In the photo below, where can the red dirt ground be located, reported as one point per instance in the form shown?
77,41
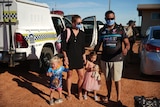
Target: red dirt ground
22,87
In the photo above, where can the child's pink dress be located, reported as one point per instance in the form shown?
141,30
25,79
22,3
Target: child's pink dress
90,83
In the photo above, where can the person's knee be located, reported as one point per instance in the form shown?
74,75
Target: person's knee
81,77
69,74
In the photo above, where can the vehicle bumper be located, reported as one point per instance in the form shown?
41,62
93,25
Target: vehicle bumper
5,57
151,64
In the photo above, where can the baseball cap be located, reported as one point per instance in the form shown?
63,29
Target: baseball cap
130,22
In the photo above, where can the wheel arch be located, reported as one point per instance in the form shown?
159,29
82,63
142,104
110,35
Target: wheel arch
49,45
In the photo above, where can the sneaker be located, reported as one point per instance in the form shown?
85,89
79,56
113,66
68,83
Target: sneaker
58,101
95,98
51,102
85,97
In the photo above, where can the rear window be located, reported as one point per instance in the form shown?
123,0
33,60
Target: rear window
156,34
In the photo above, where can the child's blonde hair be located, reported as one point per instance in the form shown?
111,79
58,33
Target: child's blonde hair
55,59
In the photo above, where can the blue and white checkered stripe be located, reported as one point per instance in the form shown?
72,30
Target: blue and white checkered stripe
10,15
40,37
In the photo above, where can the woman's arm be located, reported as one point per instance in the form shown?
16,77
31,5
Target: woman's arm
65,58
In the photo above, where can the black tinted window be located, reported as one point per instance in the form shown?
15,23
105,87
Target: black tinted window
67,23
57,22
156,34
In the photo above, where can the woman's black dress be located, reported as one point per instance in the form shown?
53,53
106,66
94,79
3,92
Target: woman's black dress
74,48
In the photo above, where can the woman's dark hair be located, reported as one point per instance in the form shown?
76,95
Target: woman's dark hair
109,12
75,17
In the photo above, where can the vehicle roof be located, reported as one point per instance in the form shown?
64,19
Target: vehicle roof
56,15
155,27
34,3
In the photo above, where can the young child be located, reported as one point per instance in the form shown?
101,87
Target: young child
92,76
55,74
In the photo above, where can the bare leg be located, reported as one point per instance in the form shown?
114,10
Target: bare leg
109,87
80,73
95,96
118,89
51,94
60,93
69,82
95,93
85,93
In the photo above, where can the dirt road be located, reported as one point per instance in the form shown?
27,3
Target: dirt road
23,87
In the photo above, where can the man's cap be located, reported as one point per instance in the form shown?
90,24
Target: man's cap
130,22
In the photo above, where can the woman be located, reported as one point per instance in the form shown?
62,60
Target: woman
74,54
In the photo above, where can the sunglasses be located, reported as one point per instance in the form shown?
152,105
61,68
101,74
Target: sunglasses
79,23
109,18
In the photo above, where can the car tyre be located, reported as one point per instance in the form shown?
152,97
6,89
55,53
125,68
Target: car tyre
45,57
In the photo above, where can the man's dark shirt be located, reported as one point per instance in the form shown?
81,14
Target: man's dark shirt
112,43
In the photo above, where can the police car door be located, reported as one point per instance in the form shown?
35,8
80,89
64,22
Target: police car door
90,29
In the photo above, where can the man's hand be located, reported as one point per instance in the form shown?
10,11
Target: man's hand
124,51
125,46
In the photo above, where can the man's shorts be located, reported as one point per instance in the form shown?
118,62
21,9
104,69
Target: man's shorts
112,70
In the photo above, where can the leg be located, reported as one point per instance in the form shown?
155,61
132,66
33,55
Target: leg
51,94
109,87
118,89
118,67
95,95
60,96
60,93
69,82
51,97
85,95
109,73
106,69
80,73
85,92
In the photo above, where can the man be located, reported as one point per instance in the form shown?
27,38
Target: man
131,32
115,45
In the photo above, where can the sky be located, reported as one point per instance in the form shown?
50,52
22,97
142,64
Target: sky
125,10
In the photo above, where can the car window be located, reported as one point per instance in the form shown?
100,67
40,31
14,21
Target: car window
57,22
100,23
88,24
67,22
147,32
156,34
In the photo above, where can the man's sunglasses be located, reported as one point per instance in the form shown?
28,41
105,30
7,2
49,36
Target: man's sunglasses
79,23
109,18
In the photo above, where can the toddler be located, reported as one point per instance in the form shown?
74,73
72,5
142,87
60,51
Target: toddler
92,76
55,74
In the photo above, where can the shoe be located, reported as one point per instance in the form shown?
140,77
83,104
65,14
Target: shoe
58,101
51,102
119,104
95,98
105,99
85,97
